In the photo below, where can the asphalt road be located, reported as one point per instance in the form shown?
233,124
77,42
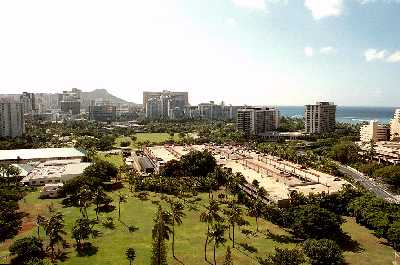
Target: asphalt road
368,184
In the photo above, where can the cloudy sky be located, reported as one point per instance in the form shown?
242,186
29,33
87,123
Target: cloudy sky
270,52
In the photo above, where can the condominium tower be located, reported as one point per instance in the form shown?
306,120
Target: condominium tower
395,127
12,122
320,118
374,132
257,120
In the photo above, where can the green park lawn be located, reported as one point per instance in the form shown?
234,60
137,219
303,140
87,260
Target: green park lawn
189,236
151,137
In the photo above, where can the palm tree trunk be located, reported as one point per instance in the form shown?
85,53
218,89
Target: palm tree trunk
173,239
215,262
119,210
257,222
233,235
205,244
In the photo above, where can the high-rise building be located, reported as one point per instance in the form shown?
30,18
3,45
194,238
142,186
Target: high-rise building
12,123
395,127
257,120
211,111
320,118
165,104
69,101
102,112
28,102
374,132
153,108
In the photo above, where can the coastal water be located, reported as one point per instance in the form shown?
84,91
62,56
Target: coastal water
347,114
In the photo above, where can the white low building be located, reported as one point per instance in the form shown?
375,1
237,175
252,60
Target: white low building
51,190
41,154
55,171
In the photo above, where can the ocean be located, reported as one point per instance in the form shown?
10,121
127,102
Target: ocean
351,115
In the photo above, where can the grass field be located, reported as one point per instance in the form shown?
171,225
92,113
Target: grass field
116,160
151,137
189,236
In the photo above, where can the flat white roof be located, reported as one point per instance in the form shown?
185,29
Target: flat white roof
41,153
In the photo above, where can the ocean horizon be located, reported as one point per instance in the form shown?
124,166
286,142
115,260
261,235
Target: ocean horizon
348,114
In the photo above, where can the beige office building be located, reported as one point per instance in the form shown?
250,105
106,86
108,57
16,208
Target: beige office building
320,118
374,132
395,127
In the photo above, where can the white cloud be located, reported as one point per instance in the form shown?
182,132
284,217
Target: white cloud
308,51
252,4
394,57
329,50
363,2
231,22
324,8
375,55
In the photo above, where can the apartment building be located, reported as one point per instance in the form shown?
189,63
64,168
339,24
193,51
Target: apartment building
320,118
374,132
395,127
12,123
28,102
257,120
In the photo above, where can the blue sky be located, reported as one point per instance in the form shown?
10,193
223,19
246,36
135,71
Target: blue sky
262,52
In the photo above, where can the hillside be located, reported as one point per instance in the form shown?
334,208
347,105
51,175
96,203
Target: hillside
86,97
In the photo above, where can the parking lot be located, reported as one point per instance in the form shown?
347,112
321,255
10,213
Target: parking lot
278,177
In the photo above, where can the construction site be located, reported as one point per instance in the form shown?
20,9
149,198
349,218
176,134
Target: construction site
278,177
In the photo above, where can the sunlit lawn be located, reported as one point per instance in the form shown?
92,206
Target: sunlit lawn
151,137
189,236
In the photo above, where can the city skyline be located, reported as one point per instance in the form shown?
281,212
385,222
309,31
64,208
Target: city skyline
240,51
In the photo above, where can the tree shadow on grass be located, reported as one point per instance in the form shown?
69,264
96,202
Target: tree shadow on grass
244,252
86,250
346,243
62,255
178,260
283,239
106,208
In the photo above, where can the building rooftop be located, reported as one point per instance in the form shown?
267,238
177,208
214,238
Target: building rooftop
56,169
41,153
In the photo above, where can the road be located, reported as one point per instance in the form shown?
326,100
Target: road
368,184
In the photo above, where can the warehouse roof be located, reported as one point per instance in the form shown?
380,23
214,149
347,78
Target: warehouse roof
41,153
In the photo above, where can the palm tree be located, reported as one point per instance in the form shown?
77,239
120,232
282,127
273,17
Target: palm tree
54,229
177,214
217,236
121,199
160,233
257,204
234,214
40,221
98,197
209,216
83,229
85,197
132,178
228,257
130,255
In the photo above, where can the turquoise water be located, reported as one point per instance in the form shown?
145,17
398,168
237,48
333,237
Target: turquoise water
347,114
